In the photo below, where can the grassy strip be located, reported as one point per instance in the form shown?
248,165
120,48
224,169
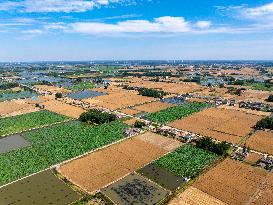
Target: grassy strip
20,123
56,144
186,161
175,113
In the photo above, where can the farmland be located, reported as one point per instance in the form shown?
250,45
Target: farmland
55,144
27,121
232,182
16,95
161,176
174,113
261,141
15,107
221,124
193,196
153,107
186,161
134,189
82,86
100,168
43,188
123,99
63,109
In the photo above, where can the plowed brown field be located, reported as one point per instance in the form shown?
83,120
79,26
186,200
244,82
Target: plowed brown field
63,109
261,141
194,196
221,124
232,182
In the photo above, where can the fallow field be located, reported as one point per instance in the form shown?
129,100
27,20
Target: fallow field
221,124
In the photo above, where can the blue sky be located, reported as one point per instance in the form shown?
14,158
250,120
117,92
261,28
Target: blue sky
37,30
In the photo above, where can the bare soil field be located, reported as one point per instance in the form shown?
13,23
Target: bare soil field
254,95
175,88
63,109
130,122
194,196
261,141
252,158
248,111
100,168
119,100
51,89
16,107
232,182
160,141
129,111
153,107
134,189
265,194
221,124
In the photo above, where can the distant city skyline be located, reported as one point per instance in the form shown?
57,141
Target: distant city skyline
86,30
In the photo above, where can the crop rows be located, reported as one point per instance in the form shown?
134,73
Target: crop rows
186,161
174,113
24,122
55,144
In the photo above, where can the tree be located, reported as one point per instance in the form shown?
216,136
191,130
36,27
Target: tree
266,123
207,143
151,92
97,117
58,95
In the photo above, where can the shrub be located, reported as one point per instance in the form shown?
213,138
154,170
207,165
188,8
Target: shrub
58,95
270,98
139,124
97,117
266,123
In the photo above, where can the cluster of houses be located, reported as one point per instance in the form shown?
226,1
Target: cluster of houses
256,106
266,162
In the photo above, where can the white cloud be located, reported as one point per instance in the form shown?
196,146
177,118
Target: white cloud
166,24
261,11
34,32
55,5
203,24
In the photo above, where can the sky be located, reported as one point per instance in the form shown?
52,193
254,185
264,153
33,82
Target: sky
74,30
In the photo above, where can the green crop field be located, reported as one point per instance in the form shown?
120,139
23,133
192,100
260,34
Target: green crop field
55,144
186,161
82,86
20,123
175,113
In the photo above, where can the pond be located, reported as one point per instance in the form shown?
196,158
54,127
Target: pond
85,94
174,100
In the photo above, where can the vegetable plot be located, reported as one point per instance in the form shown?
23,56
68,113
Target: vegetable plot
55,144
186,161
174,113
24,122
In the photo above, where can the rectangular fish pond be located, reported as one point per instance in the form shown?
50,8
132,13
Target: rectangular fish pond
85,94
